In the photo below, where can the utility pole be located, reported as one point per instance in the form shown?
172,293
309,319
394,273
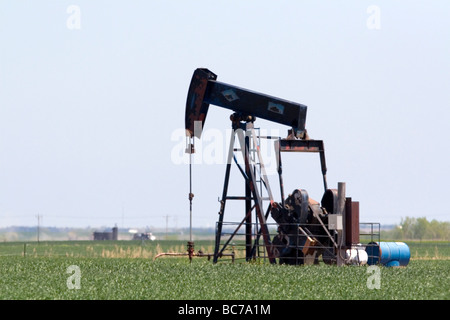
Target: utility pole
167,224
123,213
38,226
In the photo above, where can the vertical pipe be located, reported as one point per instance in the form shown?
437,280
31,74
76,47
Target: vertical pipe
190,192
341,197
248,203
324,168
341,233
280,170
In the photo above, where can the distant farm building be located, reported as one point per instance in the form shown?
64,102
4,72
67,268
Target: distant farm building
107,235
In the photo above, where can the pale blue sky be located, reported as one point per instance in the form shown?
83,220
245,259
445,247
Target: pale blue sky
87,116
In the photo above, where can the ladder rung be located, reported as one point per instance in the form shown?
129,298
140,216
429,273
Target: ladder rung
244,198
238,198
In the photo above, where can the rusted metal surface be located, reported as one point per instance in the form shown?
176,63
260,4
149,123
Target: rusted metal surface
351,222
299,145
198,254
192,254
302,145
302,230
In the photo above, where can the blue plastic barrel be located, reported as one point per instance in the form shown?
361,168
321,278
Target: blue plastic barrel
389,254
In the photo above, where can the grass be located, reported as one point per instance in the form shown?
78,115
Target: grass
429,250
98,249
127,271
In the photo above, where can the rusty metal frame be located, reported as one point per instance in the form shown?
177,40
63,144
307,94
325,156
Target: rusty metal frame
297,145
314,243
281,145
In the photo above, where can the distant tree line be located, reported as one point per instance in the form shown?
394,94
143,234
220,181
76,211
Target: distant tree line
419,229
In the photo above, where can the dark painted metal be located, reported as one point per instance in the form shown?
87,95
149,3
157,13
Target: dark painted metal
257,104
258,201
248,205
223,201
196,108
205,90
252,198
330,201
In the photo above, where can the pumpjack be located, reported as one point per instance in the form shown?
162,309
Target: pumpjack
304,230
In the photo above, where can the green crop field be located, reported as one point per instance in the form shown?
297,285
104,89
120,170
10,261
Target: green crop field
127,270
